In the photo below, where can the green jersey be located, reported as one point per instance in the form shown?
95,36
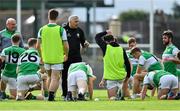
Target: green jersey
28,63
133,61
5,40
81,66
11,55
149,62
170,52
154,77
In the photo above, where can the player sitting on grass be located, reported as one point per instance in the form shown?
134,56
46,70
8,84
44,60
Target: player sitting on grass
80,78
164,81
28,65
10,56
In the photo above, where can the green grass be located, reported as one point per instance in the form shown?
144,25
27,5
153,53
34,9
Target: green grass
102,104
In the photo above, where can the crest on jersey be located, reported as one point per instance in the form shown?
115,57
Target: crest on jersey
78,35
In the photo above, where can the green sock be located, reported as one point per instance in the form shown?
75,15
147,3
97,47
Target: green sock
33,98
45,93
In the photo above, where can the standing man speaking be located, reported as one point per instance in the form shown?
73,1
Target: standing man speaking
76,39
52,42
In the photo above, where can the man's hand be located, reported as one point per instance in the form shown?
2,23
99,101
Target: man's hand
86,44
101,84
109,32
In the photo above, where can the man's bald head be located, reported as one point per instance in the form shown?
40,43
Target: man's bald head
11,24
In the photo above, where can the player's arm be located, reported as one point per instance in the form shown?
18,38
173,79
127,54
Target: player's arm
99,40
139,69
90,86
101,84
38,44
175,59
66,50
128,66
141,63
38,47
65,45
83,41
143,92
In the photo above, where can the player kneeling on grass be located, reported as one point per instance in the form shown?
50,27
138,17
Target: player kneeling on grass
164,81
28,65
80,76
39,86
117,67
10,56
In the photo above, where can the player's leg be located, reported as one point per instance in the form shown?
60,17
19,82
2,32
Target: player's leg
54,84
12,87
3,82
112,89
30,81
165,85
82,87
125,89
64,78
174,87
153,91
138,78
81,79
55,77
22,87
44,86
72,87
48,70
136,84
162,93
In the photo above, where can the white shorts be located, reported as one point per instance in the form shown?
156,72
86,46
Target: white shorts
11,82
53,66
74,77
112,84
168,82
24,81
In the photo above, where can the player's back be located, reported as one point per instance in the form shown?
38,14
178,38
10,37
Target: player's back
29,62
11,55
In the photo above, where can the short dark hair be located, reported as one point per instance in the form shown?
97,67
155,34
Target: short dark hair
168,33
53,14
131,40
108,38
32,42
135,49
16,38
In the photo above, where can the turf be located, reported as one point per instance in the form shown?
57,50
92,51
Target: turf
102,104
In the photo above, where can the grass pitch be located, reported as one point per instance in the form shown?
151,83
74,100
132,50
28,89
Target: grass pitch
103,104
